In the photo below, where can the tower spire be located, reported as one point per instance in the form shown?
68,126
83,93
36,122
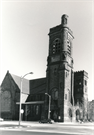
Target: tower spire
64,20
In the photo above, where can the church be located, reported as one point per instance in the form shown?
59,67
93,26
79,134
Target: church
62,95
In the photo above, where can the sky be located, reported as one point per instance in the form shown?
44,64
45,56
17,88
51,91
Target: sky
24,36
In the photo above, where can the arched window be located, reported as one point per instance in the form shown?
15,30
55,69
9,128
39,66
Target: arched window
65,96
56,46
69,95
55,94
70,112
6,101
37,110
69,47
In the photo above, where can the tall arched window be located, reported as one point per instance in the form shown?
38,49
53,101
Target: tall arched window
37,110
56,46
55,94
69,47
6,101
69,95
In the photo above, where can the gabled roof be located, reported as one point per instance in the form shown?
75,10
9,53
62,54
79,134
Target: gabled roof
25,83
8,81
16,81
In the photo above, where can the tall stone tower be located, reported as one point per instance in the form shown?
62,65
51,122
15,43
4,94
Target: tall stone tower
60,71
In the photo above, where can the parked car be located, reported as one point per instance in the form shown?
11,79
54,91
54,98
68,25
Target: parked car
1,119
46,121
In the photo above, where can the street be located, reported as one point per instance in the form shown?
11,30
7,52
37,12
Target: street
35,128
31,133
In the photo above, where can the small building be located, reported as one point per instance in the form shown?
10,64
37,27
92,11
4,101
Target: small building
91,110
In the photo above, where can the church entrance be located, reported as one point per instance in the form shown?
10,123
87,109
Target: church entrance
78,115
70,114
54,115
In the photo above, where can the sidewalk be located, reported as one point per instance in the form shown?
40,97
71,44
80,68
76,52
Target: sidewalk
16,124
36,123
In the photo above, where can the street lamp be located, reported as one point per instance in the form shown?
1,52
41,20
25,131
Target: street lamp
49,105
21,96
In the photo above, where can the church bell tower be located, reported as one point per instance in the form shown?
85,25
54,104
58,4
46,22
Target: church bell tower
59,71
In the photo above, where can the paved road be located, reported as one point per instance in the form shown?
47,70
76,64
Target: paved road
31,133
46,129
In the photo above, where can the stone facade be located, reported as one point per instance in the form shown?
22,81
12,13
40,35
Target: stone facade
67,88
81,92
9,95
60,69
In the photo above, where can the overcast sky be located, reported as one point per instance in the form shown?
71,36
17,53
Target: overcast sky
25,26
